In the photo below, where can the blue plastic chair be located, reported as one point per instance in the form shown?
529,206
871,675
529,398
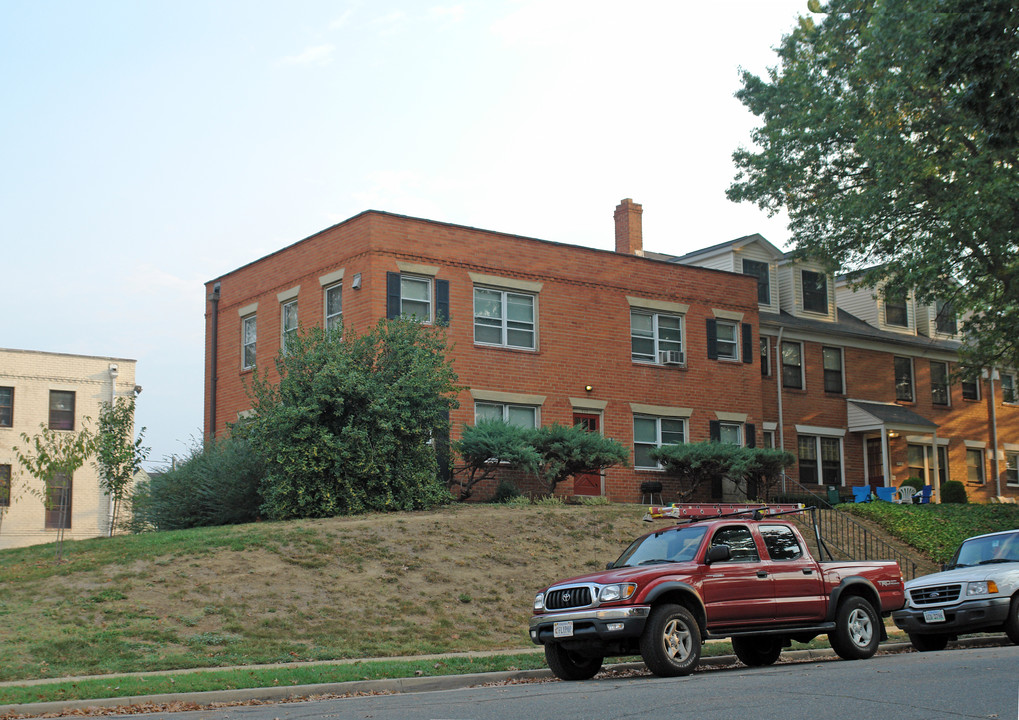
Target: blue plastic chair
925,494
886,493
861,494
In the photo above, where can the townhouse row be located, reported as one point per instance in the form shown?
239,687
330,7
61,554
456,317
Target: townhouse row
736,343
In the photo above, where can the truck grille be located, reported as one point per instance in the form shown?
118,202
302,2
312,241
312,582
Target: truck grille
571,597
935,594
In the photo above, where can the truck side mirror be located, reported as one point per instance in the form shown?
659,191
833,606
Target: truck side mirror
717,553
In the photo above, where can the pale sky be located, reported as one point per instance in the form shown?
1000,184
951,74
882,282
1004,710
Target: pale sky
148,146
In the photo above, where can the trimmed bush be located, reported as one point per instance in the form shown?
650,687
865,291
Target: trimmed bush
953,491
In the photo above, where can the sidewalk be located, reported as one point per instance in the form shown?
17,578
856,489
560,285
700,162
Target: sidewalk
395,685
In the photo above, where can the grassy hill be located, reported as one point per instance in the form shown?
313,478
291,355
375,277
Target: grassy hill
457,579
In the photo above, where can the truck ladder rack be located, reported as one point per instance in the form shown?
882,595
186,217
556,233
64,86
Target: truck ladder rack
708,511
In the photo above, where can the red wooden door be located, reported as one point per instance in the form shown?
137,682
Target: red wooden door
587,483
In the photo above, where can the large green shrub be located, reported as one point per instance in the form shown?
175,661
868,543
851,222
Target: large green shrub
565,451
355,422
217,484
953,491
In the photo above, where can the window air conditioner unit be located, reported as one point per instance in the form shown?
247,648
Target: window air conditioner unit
671,357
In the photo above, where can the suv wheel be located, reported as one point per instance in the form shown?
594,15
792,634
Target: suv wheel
757,651
568,665
857,632
671,643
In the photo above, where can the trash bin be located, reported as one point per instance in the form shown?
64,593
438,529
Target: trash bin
833,495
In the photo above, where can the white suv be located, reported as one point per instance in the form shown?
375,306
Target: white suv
978,591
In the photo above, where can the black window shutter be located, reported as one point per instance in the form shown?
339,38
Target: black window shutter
392,295
712,340
751,432
715,430
442,301
748,343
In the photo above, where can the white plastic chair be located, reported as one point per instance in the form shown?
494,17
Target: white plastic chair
906,493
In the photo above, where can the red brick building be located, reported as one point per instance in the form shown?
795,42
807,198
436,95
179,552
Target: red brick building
640,349
735,342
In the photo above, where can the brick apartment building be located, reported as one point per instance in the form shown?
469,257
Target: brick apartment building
642,347
59,391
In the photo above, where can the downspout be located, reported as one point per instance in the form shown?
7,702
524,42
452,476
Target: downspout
994,434
778,385
213,359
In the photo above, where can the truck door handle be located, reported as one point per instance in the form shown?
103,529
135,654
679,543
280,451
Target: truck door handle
808,571
762,573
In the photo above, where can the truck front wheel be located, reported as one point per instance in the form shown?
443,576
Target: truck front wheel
671,643
757,651
567,665
857,633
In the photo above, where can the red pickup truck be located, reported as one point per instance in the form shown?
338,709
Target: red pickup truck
751,580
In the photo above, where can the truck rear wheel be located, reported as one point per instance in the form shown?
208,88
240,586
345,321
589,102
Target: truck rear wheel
757,651
568,665
857,633
671,643
929,643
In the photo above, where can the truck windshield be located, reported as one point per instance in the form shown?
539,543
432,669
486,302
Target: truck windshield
987,550
667,546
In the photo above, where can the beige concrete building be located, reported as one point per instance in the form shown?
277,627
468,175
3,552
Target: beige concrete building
62,392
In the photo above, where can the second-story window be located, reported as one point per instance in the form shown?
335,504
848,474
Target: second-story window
288,323
970,389
656,338
6,406
412,296
1008,388
504,318
939,383
815,291
61,410
334,306
760,271
834,380
792,365
765,357
904,379
249,341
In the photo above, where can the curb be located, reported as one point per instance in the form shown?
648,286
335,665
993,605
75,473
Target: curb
411,684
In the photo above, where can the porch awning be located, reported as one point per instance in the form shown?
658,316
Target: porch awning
864,416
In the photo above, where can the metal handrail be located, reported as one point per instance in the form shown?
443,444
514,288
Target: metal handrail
848,538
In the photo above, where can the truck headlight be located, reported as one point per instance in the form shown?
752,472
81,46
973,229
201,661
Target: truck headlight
610,593
539,602
987,587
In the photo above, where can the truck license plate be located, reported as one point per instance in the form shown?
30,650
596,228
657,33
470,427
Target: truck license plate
934,616
563,628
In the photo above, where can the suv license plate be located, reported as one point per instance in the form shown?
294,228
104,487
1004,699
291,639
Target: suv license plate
934,616
563,628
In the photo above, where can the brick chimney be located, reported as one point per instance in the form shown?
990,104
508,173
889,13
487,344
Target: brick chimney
629,238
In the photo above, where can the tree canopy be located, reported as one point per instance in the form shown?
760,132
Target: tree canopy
355,422
890,134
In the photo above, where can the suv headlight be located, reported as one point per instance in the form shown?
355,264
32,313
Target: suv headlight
983,587
611,593
539,602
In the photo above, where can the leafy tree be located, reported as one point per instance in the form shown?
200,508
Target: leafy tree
698,463
565,451
52,456
118,456
347,428
891,136
484,448
217,484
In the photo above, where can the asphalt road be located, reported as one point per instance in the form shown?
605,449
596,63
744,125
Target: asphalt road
952,684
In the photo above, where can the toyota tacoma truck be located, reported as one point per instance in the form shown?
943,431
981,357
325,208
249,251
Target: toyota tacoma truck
978,591
748,579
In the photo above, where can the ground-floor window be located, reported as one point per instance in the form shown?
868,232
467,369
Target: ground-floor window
58,501
653,432
920,459
820,459
1012,469
975,466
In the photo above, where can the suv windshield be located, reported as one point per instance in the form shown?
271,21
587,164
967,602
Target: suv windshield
987,550
672,545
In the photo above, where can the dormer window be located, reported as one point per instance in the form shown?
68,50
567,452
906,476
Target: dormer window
815,292
895,311
944,320
760,271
